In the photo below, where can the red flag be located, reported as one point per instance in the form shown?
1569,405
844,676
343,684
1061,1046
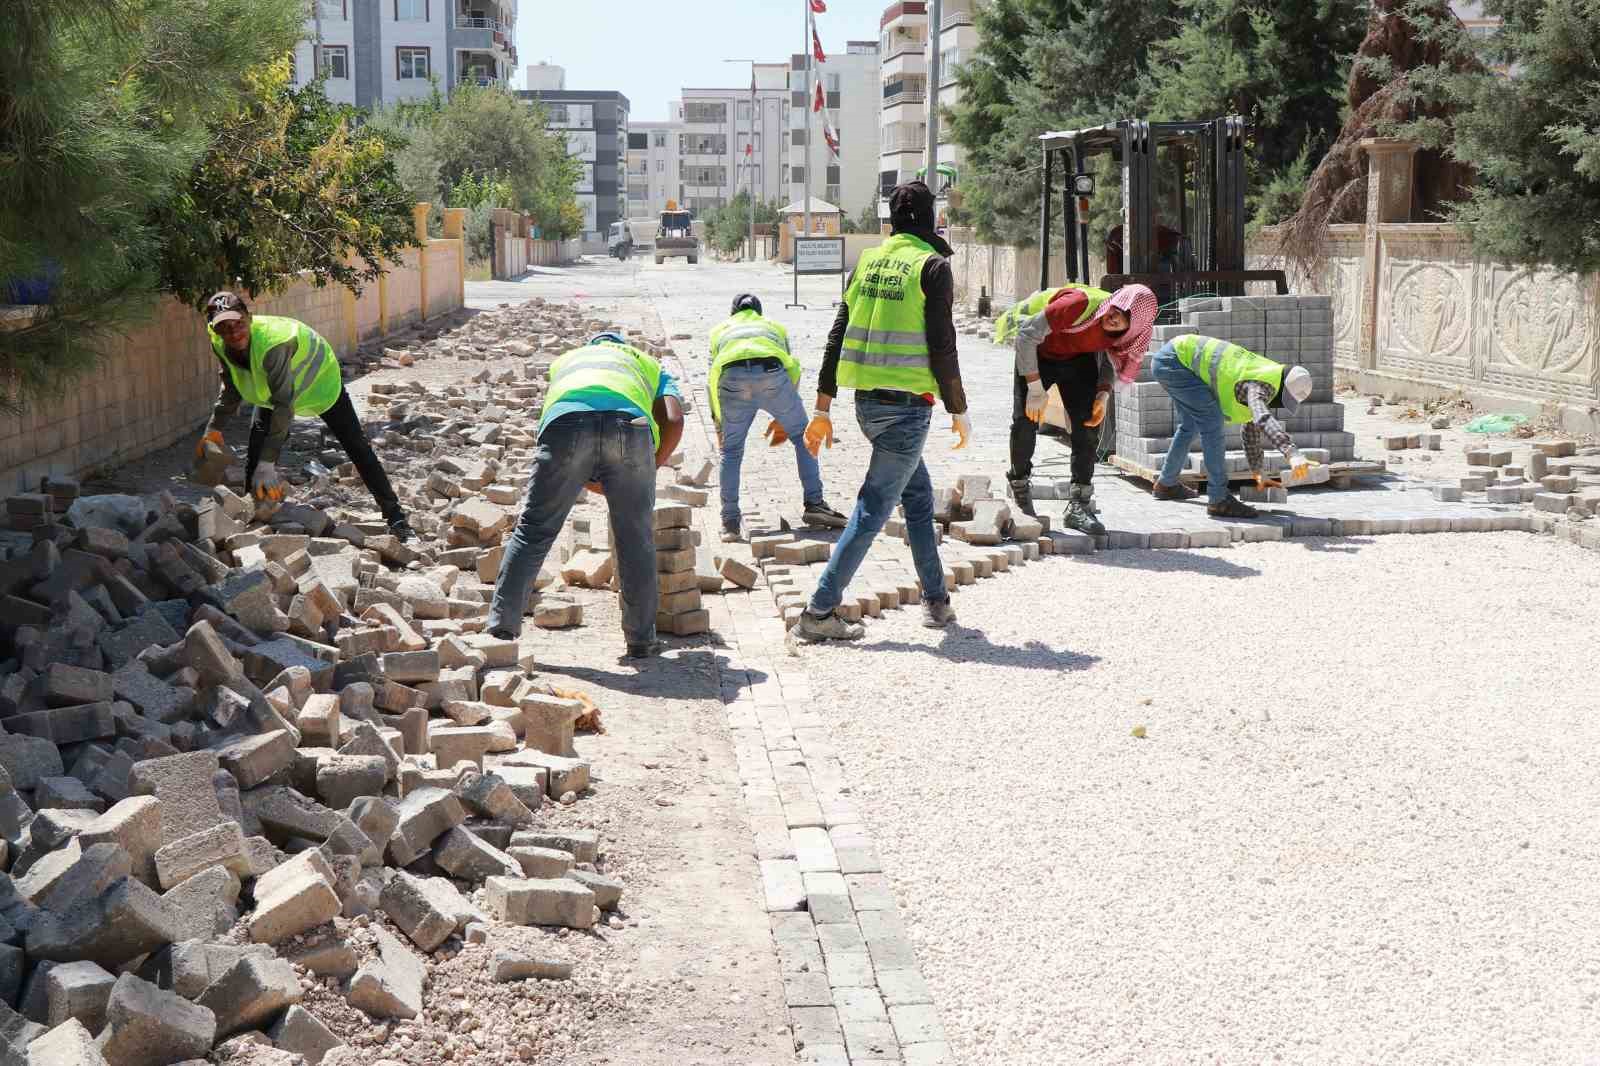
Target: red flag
816,46
818,6
816,105
830,135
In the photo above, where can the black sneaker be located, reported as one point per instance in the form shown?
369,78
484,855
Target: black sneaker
1022,495
401,530
502,633
646,651
821,515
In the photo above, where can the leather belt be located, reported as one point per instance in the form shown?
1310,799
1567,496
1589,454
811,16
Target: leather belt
896,396
766,362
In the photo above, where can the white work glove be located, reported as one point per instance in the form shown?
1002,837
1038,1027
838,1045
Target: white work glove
267,485
961,425
1034,408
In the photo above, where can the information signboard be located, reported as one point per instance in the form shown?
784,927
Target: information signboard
817,255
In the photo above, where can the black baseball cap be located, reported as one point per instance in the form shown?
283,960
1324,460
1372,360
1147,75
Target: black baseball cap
225,307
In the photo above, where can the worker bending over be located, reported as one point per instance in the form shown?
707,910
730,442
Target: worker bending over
1080,340
284,368
1213,383
894,342
753,370
611,417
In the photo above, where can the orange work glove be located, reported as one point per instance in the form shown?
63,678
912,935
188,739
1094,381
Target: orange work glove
775,434
1098,415
213,436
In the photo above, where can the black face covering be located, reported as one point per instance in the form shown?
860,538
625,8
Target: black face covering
911,210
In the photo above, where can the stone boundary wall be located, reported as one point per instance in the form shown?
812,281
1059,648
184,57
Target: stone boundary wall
157,383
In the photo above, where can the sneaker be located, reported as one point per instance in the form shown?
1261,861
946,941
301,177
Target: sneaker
648,650
1081,512
502,633
1180,491
401,530
1232,507
732,533
829,627
1022,495
936,614
820,514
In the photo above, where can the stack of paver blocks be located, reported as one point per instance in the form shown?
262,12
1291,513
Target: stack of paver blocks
1288,329
680,612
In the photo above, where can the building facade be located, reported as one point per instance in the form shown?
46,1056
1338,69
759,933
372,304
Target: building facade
545,76
376,52
957,40
903,76
596,128
850,83
723,149
652,167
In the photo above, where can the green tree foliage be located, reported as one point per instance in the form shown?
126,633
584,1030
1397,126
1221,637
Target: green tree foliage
290,183
103,109
728,226
866,222
1280,63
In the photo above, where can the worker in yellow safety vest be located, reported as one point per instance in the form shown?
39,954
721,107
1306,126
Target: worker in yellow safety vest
894,342
611,417
753,370
285,369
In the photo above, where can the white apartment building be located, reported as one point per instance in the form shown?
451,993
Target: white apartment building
652,167
958,40
375,52
850,83
720,152
545,77
903,74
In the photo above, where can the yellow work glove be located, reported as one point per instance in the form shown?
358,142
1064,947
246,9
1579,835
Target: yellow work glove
819,432
267,485
1034,408
961,426
775,434
1098,415
1263,482
211,436
1300,467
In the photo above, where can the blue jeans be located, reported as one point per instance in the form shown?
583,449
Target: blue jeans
741,392
895,474
617,451
1198,412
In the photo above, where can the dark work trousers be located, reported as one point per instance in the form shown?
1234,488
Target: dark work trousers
342,423
1077,378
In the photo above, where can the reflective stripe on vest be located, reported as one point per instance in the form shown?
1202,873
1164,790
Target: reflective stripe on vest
747,335
616,368
313,366
1222,366
1005,327
885,339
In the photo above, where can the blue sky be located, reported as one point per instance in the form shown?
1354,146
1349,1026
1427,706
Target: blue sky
650,49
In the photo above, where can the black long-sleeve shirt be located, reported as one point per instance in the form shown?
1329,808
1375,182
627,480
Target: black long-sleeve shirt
939,292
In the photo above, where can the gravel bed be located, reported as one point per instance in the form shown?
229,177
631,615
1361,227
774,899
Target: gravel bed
1360,825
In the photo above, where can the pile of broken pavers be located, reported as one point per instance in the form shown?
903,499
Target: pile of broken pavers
225,739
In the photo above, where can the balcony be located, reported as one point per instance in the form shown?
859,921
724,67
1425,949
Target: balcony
915,142
473,22
958,15
906,7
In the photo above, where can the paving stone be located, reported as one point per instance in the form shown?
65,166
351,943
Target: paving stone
78,990
135,825
295,897
490,796
206,904
541,901
470,858
425,814
250,993
562,775
150,1027
123,922
582,844
182,783
376,817
424,908
70,1043
607,890
300,1031
390,986
285,812
506,965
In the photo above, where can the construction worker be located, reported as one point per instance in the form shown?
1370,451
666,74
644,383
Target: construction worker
1212,383
284,368
894,342
1080,340
611,418
752,370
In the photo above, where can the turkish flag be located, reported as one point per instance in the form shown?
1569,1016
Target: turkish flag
816,46
816,105
818,6
830,136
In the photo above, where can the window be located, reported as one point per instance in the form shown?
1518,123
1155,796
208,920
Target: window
949,65
660,138
797,175
832,102
797,138
700,111
742,112
412,64
411,10
661,165
833,175
332,10
336,61
703,143
832,83
638,142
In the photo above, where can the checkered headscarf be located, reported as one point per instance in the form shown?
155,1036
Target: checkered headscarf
1140,305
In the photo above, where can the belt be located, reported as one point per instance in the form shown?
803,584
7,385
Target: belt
766,362
896,396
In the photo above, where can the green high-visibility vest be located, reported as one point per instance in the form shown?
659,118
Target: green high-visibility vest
886,338
618,368
747,335
317,382
1222,366
1005,327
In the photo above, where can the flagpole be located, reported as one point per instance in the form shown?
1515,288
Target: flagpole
936,36
809,57
750,154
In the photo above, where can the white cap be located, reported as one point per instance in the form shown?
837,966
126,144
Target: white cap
1296,387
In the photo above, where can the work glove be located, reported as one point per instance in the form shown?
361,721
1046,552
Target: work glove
594,487
1263,482
775,434
211,436
1098,415
1300,467
961,425
1034,408
267,485
819,432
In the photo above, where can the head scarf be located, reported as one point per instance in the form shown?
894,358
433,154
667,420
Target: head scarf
911,210
1127,354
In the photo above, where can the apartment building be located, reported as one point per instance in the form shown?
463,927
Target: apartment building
375,52
652,167
725,146
957,40
546,76
850,83
596,128
903,76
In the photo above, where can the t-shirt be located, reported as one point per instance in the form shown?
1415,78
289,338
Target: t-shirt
586,401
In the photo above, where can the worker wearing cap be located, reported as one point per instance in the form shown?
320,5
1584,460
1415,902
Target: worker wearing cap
894,342
284,368
1079,340
1213,383
753,370
611,417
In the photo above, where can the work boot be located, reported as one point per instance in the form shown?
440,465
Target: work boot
1081,513
1022,495
936,614
812,628
1231,507
401,530
732,533
647,650
1179,491
819,514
